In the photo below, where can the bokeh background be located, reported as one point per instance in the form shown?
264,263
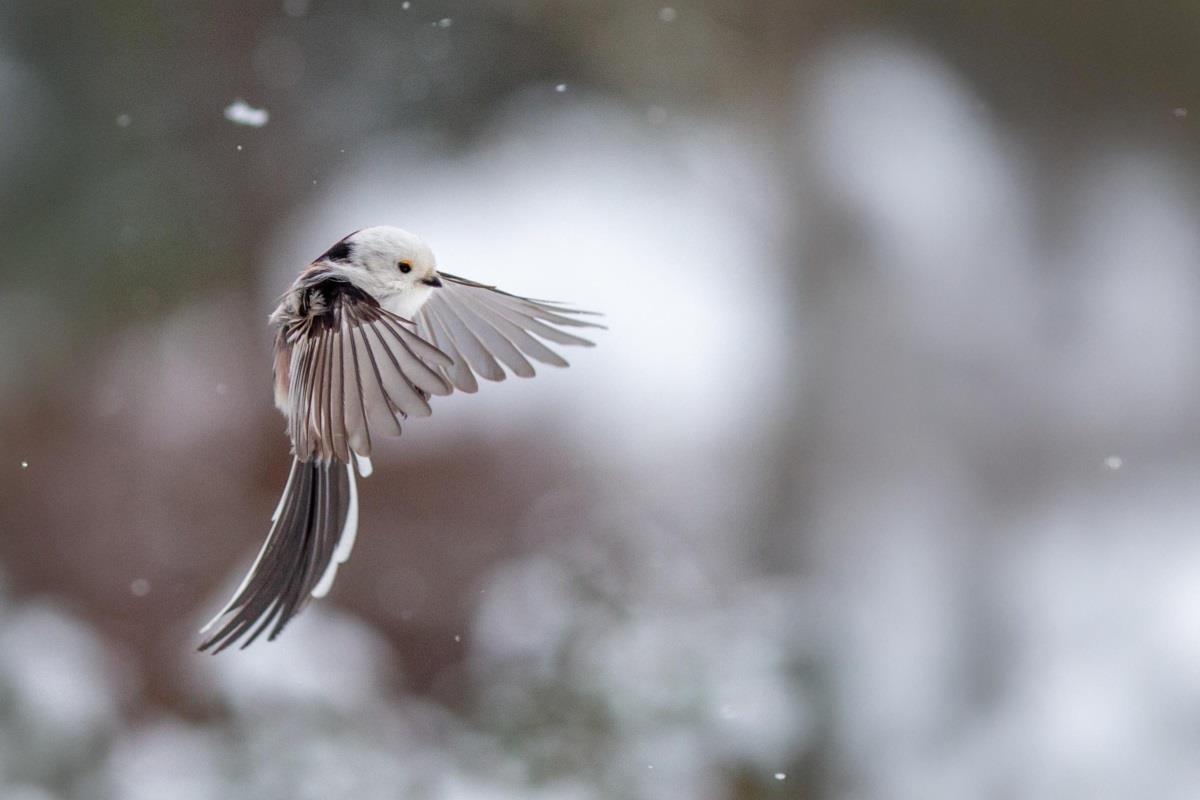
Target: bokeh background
885,482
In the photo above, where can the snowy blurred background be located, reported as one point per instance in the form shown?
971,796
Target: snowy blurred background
885,482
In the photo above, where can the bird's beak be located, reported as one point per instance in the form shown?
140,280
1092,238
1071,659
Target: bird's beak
433,281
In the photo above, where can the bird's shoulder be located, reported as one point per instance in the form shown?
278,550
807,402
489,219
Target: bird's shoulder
318,294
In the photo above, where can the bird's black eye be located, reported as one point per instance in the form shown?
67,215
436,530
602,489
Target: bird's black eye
405,267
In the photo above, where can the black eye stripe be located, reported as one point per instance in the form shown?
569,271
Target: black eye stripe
405,267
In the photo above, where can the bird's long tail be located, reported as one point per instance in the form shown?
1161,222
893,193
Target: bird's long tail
312,532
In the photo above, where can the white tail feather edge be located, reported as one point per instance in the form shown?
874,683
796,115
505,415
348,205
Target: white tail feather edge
345,541
364,465
282,497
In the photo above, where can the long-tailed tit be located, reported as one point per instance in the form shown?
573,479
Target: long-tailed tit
364,337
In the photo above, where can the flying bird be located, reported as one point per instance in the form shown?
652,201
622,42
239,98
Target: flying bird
364,338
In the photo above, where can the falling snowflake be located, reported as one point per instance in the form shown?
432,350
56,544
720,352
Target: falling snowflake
239,112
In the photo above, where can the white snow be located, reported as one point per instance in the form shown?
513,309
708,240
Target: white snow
239,112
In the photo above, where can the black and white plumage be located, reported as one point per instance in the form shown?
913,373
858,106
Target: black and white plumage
367,335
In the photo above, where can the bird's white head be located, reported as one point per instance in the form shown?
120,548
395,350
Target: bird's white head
394,266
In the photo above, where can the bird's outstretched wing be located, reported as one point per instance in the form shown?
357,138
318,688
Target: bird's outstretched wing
353,371
356,369
480,327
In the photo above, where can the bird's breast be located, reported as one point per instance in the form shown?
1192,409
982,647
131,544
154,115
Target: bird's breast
408,302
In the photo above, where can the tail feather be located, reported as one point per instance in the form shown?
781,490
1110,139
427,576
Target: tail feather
345,542
312,531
